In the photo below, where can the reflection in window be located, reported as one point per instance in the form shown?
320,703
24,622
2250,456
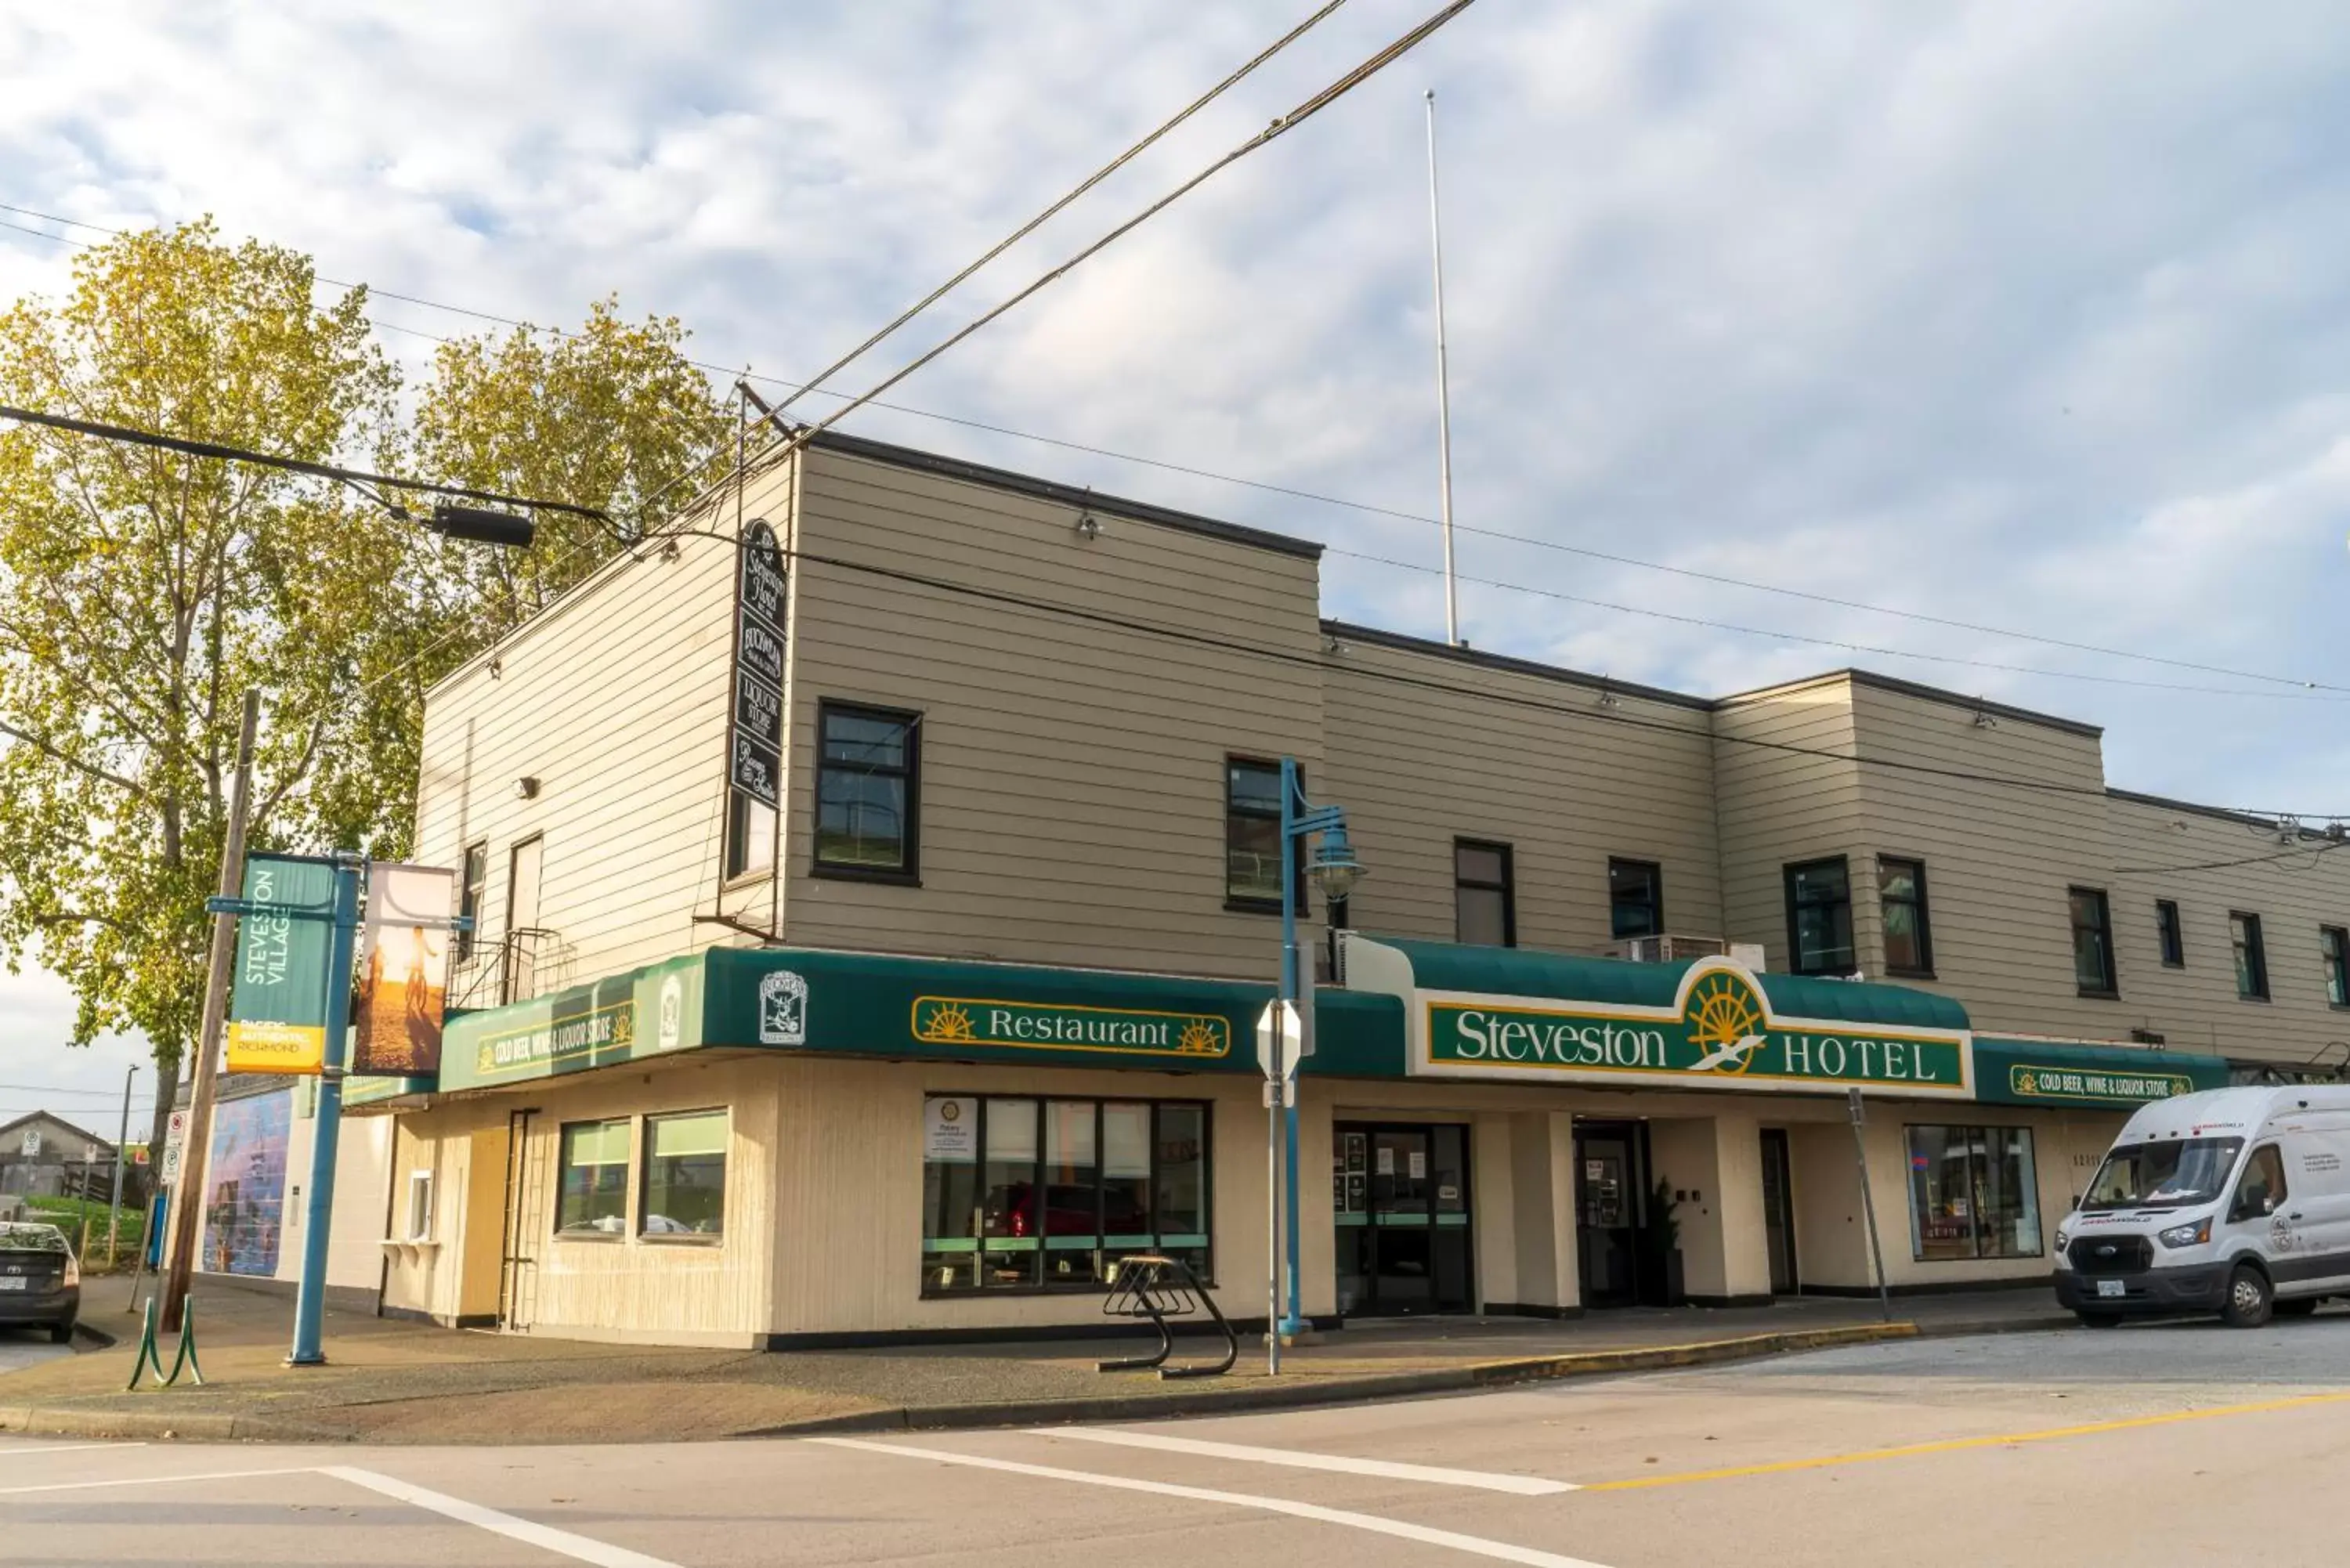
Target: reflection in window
1902,902
864,793
594,1179
2092,942
1974,1192
1253,832
2252,956
1024,1193
1636,899
685,1175
1819,917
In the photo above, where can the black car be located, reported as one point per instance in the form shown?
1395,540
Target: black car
40,1281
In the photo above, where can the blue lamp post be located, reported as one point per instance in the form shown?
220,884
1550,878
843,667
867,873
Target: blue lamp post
1335,871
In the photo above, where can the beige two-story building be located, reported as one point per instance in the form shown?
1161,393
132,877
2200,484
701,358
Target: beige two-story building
878,881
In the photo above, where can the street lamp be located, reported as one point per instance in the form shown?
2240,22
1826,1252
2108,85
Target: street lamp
1335,871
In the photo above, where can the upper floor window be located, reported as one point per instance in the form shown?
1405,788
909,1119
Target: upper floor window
2092,942
2252,956
471,895
1819,917
1252,836
2336,942
1484,895
866,793
2166,927
1901,903
1636,898
750,835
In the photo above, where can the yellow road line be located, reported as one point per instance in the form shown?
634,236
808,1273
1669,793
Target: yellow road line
1955,1445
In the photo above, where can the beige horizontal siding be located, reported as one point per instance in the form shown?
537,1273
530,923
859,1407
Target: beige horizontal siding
1779,806
1513,758
1072,770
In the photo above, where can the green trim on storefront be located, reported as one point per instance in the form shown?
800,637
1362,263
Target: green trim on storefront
2085,1073
1600,983
879,1005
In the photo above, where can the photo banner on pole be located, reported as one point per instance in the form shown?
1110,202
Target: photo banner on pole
277,1005
403,971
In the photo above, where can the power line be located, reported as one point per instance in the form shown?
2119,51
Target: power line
2312,851
1587,715
1282,126
1319,498
1033,224
1835,642
291,465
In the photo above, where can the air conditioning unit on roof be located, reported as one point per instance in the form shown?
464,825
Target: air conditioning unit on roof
1671,948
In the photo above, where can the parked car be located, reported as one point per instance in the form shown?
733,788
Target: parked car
40,1279
2232,1200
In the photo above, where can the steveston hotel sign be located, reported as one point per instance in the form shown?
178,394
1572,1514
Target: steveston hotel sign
1720,1033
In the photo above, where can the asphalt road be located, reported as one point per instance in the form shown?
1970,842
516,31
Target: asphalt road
2171,1446
26,1348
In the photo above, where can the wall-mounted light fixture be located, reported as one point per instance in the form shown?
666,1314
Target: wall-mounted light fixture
1088,526
526,788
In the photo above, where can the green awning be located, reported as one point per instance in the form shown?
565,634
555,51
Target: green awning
1507,1015
2080,1072
1521,971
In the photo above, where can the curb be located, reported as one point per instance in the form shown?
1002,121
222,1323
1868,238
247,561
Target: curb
1342,1390
98,1338
222,1426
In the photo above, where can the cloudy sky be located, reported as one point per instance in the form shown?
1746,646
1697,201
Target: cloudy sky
2032,317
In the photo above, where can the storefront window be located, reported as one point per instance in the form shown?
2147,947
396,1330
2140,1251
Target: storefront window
1026,1194
1974,1192
593,1180
685,1175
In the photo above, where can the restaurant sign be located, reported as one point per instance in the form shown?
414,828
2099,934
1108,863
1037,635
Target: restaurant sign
1720,1033
977,1020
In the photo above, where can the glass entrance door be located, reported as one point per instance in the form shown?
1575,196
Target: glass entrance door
1608,1190
1779,1211
1400,1196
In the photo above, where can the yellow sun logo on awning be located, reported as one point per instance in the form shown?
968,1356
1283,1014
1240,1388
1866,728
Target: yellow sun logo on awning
946,1022
1724,1018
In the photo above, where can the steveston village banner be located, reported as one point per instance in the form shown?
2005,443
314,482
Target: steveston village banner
277,1003
403,970
1720,1033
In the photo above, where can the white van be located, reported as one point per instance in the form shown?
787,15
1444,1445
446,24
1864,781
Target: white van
2232,1200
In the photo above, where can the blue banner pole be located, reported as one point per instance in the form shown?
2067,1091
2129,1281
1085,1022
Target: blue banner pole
1293,1323
319,1211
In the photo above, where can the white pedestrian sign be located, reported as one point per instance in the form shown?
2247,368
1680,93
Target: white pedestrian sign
1279,1016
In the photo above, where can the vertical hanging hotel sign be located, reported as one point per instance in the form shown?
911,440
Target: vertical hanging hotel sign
755,735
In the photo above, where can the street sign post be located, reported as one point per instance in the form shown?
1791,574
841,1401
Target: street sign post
1280,1039
1868,1202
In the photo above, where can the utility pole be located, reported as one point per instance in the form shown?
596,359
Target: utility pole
186,1213
121,1136
1444,388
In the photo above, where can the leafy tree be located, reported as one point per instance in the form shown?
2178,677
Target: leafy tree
611,416
143,592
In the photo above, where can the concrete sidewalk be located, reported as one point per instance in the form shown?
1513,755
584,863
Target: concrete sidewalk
393,1381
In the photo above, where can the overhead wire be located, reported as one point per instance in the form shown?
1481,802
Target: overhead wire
1723,579
1607,716
2324,846
1073,193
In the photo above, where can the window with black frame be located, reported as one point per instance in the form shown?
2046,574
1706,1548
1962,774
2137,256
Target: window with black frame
2335,942
1026,1194
1974,1192
1484,902
2092,942
1253,836
2172,938
2252,956
1819,917
1636,899
867,804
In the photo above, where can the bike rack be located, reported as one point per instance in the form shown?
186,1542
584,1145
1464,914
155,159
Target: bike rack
1150,1286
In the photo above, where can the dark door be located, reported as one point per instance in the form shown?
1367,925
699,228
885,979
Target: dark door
1779,1211
1608,1211
1401,1200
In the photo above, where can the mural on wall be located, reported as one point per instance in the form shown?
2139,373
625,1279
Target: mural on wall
244,1210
